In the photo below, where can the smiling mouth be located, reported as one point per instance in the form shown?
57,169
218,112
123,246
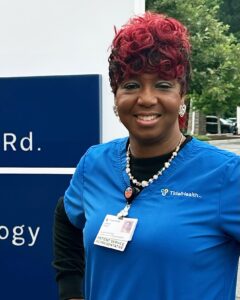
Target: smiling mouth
148,117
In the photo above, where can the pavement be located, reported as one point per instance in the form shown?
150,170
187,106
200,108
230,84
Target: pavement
233,145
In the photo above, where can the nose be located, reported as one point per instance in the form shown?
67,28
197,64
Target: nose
147,98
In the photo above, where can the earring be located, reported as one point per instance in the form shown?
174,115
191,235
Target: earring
182,110
115,110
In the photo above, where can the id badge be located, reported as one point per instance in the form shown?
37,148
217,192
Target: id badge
115,233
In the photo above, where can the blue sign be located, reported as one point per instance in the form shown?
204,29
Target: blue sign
46,124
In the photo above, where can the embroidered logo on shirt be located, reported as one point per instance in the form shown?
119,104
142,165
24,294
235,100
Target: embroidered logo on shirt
164,191
167,192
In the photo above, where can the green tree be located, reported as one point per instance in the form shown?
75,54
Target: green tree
214,88
229,13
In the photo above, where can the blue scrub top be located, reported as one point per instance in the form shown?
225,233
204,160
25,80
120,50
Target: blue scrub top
187,241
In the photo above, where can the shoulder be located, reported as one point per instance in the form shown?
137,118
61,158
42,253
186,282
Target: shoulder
108,153
107,148
208,151
208,158
207,161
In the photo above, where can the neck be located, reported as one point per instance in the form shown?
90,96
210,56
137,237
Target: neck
145,149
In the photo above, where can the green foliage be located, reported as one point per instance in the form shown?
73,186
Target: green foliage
230,14
214,88
202,137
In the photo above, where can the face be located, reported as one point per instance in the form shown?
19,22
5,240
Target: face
148,107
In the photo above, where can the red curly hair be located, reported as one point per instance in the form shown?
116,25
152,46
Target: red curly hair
152,43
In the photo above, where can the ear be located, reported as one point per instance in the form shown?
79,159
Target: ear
183,99
115,109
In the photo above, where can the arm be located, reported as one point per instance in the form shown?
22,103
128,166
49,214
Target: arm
229,206
68,255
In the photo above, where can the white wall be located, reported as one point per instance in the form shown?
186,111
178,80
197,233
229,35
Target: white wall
60,37
238,119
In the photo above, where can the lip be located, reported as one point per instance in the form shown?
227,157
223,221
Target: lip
147,119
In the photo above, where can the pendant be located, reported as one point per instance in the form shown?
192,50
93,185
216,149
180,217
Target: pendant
124,212
128,193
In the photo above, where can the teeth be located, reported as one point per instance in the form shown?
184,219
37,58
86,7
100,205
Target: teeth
147,118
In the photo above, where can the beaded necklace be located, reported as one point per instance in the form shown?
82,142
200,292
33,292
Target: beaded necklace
145,183
130,191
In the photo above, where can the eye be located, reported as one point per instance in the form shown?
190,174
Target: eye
164,85
131,85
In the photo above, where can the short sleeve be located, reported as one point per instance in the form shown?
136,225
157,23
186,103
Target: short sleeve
73,198
230,200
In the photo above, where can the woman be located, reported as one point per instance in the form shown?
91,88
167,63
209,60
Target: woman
181,195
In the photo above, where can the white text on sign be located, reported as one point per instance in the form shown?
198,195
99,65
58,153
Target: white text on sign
12,142
19,235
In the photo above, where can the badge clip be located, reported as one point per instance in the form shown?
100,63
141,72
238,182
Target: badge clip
124,212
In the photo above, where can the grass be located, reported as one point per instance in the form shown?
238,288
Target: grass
202,137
